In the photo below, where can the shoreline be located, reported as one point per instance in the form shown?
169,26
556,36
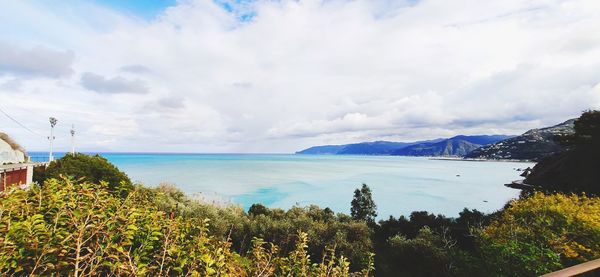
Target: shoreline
520,184
459,159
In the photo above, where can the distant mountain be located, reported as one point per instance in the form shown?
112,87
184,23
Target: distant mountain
482,139
455,146
322,150
532,145
372,148
363,148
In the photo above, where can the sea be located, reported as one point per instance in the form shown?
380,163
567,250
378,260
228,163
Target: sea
400,185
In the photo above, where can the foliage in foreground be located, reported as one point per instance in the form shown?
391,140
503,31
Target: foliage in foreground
543,233
79,228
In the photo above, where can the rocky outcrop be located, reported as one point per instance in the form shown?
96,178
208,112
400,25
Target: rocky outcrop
10,151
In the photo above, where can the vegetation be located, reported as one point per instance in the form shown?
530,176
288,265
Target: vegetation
533,235
76,227
72,227
86,218
94,169
587,131
543,233
428,245
362,206
351,238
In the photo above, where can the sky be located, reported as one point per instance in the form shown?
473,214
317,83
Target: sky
240,76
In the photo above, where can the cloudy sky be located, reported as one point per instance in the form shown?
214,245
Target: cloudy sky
279,76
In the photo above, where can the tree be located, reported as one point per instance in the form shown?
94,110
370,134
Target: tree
587,131
258,209
362,206
93,169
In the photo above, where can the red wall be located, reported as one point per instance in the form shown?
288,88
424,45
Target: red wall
15,177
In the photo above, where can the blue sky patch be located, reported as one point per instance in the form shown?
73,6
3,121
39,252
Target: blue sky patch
150,9
241,8
142,8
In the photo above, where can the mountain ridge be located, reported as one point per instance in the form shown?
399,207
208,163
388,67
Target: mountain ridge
454,146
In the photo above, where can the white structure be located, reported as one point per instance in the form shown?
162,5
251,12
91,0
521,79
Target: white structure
72,139
15,169
10,152
51,137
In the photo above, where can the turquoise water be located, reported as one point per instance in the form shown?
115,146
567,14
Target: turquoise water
400,184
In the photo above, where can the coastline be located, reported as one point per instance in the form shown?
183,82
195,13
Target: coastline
520,184
479,160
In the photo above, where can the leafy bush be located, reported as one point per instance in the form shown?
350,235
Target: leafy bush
351,238
67,227
425,255
428,245
93,169
543,233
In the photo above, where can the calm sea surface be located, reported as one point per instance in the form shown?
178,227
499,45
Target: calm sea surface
400,184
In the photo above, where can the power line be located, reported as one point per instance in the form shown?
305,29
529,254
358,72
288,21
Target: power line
19,123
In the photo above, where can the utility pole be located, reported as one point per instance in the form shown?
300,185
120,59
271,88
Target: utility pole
73,140
51,137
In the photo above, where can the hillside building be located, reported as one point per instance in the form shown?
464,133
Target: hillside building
15,167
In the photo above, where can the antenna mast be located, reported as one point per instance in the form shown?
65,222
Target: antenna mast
73,140
51,137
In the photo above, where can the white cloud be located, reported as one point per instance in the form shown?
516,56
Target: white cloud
118,84
37,62
135,68
275,76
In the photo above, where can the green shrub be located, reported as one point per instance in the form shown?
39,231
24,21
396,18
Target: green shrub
351,238
258,209
93,169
